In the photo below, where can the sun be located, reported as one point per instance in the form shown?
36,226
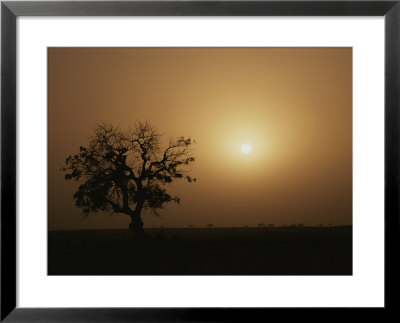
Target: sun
246,149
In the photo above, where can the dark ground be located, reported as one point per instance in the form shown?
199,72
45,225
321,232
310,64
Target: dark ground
215,251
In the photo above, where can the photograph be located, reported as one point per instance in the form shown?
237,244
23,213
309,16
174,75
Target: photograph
200,161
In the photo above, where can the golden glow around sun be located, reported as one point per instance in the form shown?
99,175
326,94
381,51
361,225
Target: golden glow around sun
246,149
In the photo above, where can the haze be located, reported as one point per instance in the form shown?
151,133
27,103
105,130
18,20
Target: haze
292,106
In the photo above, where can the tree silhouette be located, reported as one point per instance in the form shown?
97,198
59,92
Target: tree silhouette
126,171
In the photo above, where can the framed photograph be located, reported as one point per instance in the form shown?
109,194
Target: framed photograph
198,160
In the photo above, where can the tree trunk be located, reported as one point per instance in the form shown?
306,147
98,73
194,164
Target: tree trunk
137,224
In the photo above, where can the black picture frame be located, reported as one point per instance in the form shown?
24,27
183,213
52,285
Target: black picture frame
10,10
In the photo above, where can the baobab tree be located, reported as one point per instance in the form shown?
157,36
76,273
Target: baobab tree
126,171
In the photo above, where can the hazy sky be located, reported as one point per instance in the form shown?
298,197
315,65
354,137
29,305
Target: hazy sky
293,106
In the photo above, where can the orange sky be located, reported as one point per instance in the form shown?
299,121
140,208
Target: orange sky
292,105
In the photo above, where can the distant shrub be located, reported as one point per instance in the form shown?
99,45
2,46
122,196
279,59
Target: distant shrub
271,225
210,225
261,225
191,226
301,225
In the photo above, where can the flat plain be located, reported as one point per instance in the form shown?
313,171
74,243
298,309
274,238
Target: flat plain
203,251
